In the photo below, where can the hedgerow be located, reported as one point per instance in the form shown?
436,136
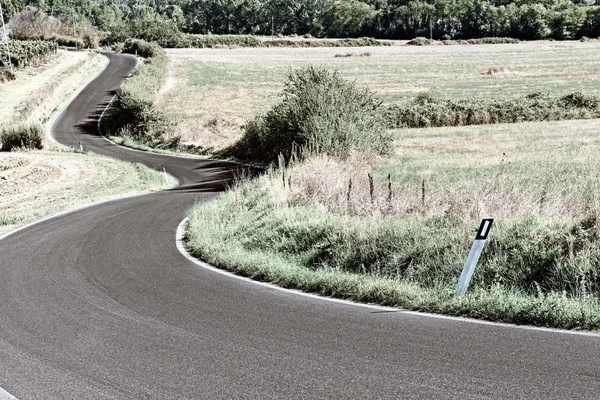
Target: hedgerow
23,136
425,111
210,41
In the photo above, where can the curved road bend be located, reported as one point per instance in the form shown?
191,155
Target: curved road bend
98,303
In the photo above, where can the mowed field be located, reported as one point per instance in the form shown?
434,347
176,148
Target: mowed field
214,91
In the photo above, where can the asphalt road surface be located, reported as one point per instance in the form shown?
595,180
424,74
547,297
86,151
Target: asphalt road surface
99,303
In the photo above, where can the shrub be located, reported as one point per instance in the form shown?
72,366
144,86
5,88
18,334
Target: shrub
210,41
420,41
320,113
68,41
27,52
231,41
133,112
425,111
489,40
26,136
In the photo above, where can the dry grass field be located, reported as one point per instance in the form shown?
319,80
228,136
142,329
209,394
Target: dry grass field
214,91
511,171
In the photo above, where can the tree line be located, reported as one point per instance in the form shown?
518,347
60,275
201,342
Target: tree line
389,19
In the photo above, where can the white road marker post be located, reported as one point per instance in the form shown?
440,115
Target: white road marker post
80,147
467,272
166,177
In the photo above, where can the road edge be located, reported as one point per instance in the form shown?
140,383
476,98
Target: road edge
180,243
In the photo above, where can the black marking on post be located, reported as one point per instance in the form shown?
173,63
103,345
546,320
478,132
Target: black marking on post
484,228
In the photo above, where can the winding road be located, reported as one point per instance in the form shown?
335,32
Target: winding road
99,303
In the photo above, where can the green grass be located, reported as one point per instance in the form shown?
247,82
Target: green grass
321,226
540,265
245,232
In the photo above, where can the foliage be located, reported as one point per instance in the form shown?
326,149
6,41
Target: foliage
6,75
35,24
27,52
320,113
348,18
133,112
217,41
425,111
23,136
357,42
493,40
420,41
209,41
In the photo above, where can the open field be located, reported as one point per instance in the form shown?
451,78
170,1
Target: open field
34,184
214,91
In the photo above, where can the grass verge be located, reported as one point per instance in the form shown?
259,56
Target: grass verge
41,183
245,233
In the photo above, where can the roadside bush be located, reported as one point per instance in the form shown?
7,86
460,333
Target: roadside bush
133,112
425,111
320,113
24,136
27,52
68,41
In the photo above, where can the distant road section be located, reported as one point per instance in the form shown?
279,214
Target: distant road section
99,304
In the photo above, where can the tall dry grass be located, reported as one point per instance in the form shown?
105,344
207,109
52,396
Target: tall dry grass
359,186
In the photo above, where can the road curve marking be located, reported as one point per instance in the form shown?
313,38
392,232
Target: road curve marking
179,240
4,395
